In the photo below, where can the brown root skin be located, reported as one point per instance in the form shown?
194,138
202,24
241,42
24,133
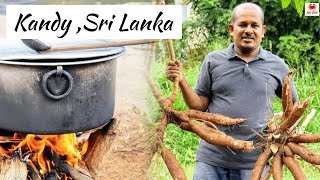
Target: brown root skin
163,102
220,139
294,167
296,114
175,91
305,138
210,130
267,175
180,115
277,167
304,153
160,131
214,118
287,151
260,164
211,135
173,165
185,126
287,104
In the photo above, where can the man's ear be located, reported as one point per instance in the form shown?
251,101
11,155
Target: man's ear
230,27
264,29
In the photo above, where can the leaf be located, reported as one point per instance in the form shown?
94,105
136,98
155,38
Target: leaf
299,6
285,3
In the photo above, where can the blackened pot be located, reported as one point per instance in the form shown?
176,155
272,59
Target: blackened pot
56,93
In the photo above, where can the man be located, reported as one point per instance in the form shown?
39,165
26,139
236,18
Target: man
240,82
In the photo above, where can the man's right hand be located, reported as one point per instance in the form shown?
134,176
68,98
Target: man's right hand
174,70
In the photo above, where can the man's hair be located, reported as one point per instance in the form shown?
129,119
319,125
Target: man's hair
246,5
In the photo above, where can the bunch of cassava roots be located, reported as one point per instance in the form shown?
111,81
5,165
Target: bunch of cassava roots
284,142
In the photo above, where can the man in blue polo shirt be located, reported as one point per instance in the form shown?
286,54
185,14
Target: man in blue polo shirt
240,82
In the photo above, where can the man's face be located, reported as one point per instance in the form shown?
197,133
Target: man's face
247,30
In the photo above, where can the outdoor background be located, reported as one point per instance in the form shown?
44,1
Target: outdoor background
293,38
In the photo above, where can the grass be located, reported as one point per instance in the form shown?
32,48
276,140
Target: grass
184,144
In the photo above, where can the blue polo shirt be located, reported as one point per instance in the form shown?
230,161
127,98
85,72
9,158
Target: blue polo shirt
239,89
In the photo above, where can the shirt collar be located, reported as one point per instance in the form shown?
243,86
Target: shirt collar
231,54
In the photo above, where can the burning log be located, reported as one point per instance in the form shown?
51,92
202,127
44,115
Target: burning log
13,169
32,171
64,167
36,164
52,175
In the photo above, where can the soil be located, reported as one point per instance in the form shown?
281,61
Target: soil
127,154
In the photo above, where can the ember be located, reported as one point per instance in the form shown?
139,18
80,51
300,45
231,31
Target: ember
46,156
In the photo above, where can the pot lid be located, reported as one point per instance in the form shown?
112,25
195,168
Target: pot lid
15,50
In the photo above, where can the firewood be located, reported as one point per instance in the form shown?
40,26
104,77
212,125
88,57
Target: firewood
33,172
52,175
13,169
64,167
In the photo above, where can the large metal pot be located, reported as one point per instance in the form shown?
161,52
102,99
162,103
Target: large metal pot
58,92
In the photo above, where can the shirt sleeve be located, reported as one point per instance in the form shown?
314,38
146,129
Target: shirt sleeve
204,81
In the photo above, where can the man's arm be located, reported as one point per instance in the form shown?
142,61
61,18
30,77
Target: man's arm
192,99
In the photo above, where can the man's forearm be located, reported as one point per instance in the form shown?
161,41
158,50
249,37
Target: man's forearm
192,99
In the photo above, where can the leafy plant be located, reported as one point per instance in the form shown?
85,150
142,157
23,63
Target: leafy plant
300,51
213,17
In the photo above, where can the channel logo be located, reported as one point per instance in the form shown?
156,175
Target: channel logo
311,9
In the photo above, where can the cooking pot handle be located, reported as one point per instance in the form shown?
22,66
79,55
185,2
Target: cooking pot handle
59,72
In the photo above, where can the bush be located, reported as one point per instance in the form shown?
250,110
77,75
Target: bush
215,15
300,51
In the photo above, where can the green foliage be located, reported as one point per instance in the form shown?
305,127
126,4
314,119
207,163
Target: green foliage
214,16
300,51
193,45
299,5
285,3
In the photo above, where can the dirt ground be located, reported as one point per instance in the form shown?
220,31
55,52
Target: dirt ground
131,95
127,154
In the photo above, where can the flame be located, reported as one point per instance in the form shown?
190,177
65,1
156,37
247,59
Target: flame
64,145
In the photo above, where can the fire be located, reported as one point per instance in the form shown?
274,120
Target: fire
64,145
